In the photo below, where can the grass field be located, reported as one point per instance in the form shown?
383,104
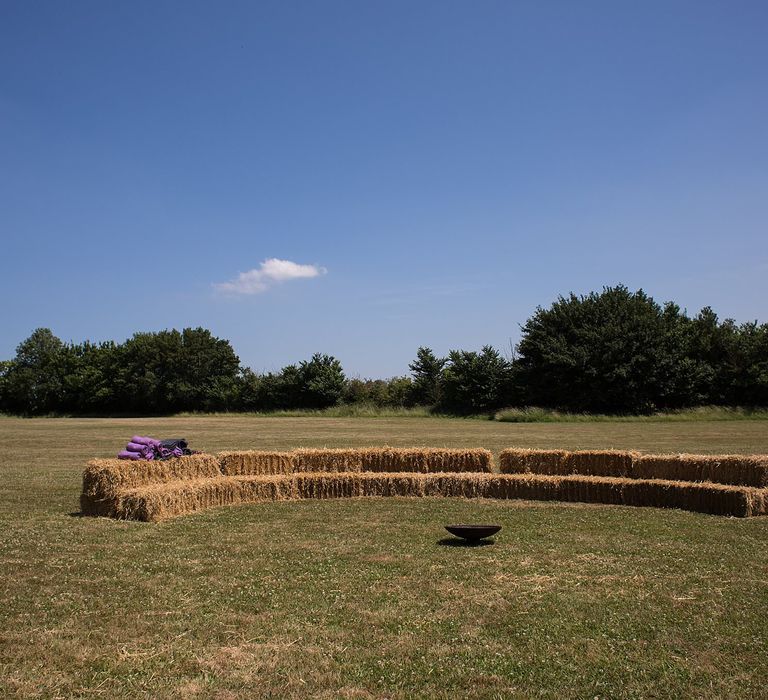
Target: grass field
366,599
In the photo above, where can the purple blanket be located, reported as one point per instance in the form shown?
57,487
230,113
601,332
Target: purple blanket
141,447
148,441
137,447
166,452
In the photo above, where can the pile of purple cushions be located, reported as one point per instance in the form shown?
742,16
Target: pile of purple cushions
148,448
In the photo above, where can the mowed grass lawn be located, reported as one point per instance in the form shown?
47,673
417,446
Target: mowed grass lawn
364,598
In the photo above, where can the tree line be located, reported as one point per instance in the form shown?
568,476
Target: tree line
613,351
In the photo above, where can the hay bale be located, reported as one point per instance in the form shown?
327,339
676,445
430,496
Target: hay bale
98,507
465,485
592,489
716,499
737,470
327,485
523,486
156,491
523,461
392,484
561,462
614,463
393,459
104,477
435,460
328,460
758,501
162,501
255,463
551,487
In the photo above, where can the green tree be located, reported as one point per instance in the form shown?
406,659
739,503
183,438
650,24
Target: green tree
321,381
399,392
248,391
89,383
356,391
34,382
206,376
611,351
5,368
475,382
745,366
172,371
395,392
426,371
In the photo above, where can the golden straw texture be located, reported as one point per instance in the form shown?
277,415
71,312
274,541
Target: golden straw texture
153,491
255,462
162,501
741,470
103,477
393,459
514,461
736,470
599,462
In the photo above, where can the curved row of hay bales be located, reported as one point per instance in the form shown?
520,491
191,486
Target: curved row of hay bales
738,470
153,491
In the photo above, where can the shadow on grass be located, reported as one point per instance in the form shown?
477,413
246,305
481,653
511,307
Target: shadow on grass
458,542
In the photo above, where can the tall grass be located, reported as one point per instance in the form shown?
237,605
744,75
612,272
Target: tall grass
529,414
340,411
702,413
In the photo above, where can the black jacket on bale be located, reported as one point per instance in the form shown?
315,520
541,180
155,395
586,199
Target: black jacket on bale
173,443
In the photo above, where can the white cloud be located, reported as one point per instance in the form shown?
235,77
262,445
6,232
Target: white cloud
268,273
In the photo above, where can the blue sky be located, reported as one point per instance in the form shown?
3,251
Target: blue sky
433,170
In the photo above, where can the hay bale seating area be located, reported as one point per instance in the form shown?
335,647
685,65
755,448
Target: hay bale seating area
730,485
736,470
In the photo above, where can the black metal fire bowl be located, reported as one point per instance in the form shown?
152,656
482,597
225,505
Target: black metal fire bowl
473,533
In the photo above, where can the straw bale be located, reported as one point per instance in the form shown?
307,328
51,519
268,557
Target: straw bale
328,460
466,485
522,461
592,489
98,507
103,477
738,470
392,484
560,462
434,460
393,459
522,486
758,501
255,463
327,485
717,499
152,495
599,463
162,501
